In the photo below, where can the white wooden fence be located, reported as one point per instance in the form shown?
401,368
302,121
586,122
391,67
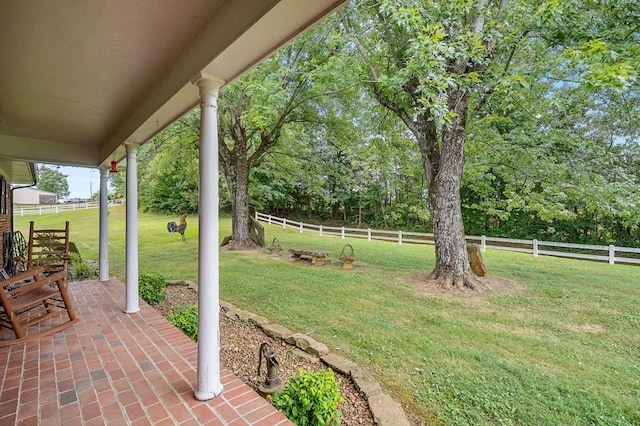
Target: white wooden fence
611,254
24,210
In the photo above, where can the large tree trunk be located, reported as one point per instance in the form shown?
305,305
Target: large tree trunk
240,236
238,186
442,155
443,168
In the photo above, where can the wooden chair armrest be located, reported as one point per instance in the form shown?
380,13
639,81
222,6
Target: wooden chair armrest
30,275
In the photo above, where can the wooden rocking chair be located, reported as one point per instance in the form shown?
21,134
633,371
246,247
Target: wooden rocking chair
48,248
29,298
38,292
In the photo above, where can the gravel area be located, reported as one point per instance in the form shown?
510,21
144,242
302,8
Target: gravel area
240,343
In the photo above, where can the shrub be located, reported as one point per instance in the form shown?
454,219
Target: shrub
74,258
82,271
310,398
151,288
186,319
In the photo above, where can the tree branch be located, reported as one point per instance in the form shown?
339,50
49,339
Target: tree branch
478,22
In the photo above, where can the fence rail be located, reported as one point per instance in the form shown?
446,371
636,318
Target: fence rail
25,210
603,253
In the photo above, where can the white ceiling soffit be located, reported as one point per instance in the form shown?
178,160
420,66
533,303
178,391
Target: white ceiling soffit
80,78
18,172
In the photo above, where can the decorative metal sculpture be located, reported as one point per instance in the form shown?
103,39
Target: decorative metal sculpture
272,383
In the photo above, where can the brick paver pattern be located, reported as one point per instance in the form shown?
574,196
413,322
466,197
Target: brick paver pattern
114,368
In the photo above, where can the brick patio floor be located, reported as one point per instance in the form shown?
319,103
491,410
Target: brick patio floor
114,368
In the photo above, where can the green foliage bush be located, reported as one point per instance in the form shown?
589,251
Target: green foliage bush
82,271
311,398
79,269
151,288
186,319
74,258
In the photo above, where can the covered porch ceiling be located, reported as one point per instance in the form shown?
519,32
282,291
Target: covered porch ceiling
79,79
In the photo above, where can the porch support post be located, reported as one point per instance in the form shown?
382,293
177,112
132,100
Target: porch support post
103,256
209,385
131,297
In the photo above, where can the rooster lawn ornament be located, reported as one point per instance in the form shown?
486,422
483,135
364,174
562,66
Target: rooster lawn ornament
173,227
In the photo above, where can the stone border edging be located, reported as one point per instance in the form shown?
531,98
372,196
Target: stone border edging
385,411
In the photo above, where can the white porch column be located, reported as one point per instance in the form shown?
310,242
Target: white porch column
131,297
209,385
104,228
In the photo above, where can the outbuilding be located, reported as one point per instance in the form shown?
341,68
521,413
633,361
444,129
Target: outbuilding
33,196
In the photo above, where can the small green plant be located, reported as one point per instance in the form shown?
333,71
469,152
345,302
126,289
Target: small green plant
151,288
74,258
186,319
82,271
310,398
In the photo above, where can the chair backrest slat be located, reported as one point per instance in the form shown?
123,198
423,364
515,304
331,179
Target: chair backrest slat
48,248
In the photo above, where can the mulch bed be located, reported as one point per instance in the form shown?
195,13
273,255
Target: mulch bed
240,343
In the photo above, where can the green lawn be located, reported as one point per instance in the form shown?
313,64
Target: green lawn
562,350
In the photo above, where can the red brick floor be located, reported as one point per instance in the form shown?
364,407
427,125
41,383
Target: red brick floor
113,368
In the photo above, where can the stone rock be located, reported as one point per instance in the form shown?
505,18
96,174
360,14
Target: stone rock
475,260
311,346
386,412
232,313
227,305
276,330
302,354
245,315
74,249
258,320
365,382
292,338
339,363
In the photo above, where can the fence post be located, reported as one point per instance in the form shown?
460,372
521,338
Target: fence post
269,219
535,248
40,208
301,227
256,215
483,243
342,232
399,237
612,254
21,211
73,207
57,209
284,223
369,234
321,230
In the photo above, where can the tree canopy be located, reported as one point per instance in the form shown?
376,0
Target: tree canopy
550,133
53,180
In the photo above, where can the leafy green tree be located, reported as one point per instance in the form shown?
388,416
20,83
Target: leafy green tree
424,61
439,65
53,180
257,109
563,173
169,168
117,185
551,153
